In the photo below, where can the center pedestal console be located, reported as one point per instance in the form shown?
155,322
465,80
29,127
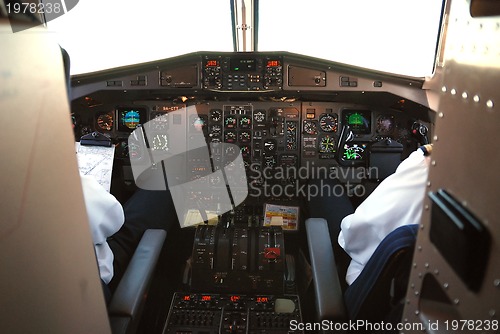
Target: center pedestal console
237,284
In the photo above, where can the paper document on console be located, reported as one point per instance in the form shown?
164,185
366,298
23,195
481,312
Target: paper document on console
96,161
281,215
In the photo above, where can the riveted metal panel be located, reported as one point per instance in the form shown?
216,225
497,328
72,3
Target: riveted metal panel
465,162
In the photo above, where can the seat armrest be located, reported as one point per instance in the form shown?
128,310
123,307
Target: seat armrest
327,289
128,299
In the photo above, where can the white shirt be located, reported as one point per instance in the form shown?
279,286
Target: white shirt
397,201
106,217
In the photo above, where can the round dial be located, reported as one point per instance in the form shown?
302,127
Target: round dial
245,136
269,145
245,150
215,115
160,121
230,122
198,122
328,122
134,151
327,144
245,122
230,137
385,124
160,142
215,131
105,121
259,116
310,127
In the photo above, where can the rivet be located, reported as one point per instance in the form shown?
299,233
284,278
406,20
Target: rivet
476,98
419,248
489,104
414,264
464,95
435,138
496,282
433,162
456,301
444,89
420,275
426,207
417,312
428,183
453,91
426,265
446,285
436,272
412,285
492,313
416,293
440,114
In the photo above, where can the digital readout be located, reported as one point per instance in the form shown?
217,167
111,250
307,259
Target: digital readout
262,299
273,63
212,63
243,64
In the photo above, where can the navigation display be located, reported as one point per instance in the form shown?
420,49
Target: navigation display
360,121
354,152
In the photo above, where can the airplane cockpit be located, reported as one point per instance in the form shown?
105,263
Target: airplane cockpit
257,149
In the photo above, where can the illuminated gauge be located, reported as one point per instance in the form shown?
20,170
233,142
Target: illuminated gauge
291,145
269,145
245,150
230,137
160,142
215,115
215,131
354,151
245,122
259,116
385,124
230,122
134,151
131,119
310,127
327,145
105,121
328,122
160,121
198,122
291,127
245,136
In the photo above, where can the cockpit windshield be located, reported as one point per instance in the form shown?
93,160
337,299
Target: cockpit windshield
387,35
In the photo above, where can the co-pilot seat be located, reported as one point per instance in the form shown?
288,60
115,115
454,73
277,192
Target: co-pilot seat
50,281
375,296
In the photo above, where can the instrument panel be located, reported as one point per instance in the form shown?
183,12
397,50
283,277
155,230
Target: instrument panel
288,116
269,135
